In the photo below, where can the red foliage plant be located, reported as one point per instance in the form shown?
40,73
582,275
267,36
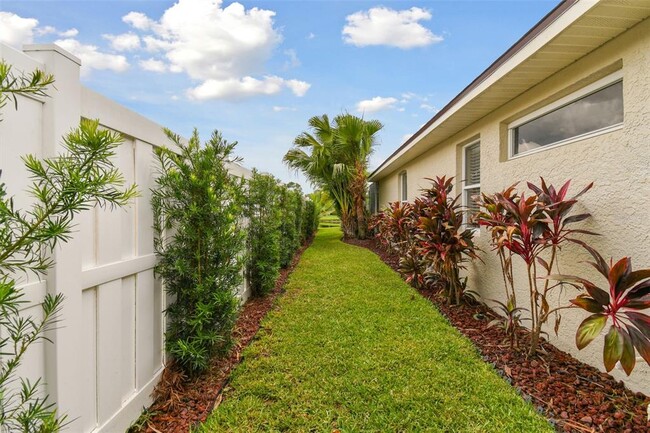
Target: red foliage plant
394,226
430,237
628,295
528,226
443,240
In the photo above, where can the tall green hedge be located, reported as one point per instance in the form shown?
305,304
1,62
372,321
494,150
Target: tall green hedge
263,241
199,244
291,201
208,224
310,219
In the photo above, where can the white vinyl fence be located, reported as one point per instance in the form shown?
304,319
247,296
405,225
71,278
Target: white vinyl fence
107,353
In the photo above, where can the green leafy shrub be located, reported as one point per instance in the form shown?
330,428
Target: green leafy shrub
263,239
291,207
64,186
509,320
310,220
200,241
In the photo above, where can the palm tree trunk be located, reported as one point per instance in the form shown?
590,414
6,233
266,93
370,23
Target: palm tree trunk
358,189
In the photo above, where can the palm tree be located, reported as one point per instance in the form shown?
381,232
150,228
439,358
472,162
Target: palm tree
356,138
334,157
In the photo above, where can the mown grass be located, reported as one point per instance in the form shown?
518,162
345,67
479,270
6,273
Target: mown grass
329,221
353,348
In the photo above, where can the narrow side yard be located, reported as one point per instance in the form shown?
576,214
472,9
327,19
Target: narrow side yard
351,347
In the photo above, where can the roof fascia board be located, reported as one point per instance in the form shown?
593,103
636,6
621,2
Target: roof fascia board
553,29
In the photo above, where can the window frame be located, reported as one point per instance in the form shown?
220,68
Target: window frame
592,88
464,187
402,185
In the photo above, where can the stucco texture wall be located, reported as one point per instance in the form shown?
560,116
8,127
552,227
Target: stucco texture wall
618,162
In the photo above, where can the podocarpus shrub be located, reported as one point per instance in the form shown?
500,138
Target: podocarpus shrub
200,243
310,219
291,202
263,238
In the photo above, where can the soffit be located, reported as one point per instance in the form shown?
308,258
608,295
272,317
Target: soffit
598,25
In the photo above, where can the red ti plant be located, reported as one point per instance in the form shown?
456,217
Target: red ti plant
394,225
443,240
494,216
413,267
622,304
529,227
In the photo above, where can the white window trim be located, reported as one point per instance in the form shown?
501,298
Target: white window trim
400,185
585,91
465,187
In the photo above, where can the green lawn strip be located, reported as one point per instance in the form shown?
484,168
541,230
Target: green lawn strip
352,347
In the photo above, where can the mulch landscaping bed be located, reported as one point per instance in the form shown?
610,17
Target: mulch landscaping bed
574,396
181,403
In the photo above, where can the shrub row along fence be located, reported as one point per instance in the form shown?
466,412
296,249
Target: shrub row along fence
213,229
531,225
99,305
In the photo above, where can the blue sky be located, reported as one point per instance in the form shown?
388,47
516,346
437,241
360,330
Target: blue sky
258,70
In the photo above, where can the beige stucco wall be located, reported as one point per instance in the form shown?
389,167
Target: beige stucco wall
618,162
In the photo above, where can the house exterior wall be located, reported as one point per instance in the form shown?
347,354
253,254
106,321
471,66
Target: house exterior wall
107,354
618,162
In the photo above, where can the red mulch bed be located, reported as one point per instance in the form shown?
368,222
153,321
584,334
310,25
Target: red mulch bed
574,396
181,403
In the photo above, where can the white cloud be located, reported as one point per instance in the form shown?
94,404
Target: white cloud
406,137
401,109
384,26
429,107
92,58
299,88
153,44
209,42
138,20
236,89
70,33
278,108
48,30
124,42
311,35
16,30
377,103
293,61
153,65
223,47
40,31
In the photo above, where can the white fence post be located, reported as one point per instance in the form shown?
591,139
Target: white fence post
61,113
